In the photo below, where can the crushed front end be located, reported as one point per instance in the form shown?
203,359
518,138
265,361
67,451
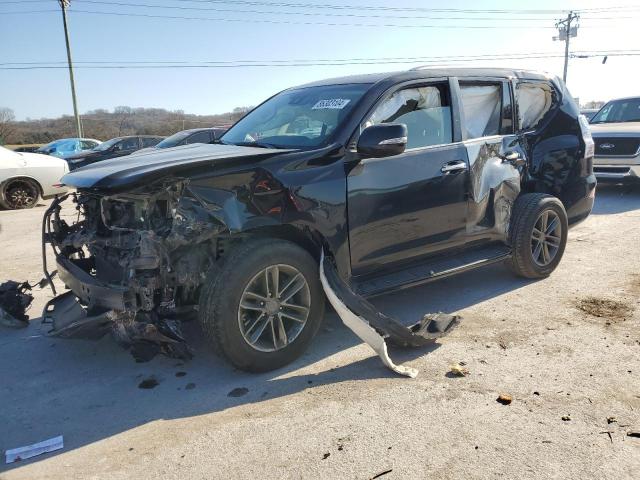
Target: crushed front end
133,263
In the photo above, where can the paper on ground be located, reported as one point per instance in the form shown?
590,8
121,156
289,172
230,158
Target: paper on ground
22,453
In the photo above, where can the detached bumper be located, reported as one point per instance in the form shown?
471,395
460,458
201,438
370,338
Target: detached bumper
92,292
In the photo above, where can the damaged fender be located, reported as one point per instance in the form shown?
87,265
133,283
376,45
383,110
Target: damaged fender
374,327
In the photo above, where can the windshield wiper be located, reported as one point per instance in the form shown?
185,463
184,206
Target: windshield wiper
256,144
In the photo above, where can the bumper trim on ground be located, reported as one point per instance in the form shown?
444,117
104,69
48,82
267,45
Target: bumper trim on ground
93,292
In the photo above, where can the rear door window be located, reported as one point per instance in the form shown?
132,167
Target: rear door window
482,106
426,111
534,100
200,137
150,141
129,144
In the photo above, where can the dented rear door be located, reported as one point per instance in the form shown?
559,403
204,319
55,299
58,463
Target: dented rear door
495,154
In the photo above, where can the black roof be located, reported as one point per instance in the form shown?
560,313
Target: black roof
429,72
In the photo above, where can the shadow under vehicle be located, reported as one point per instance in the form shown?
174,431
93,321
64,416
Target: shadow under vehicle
391,179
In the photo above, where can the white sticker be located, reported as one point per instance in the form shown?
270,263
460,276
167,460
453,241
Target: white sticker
331,103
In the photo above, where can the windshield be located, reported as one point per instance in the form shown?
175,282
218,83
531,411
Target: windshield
173,140
627,110
299,118
106,145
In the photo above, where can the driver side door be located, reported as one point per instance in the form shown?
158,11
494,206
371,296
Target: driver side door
410,206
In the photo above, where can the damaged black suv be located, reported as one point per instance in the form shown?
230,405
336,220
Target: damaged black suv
394,179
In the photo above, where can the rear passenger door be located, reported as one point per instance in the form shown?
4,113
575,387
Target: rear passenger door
412,205
496,158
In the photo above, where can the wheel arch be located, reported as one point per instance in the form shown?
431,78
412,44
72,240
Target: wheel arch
5,182
309,239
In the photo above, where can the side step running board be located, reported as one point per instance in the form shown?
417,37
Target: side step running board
427,272
373,326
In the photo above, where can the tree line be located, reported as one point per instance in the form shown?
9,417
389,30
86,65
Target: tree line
103,124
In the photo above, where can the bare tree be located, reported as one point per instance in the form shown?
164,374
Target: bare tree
124,113
6,124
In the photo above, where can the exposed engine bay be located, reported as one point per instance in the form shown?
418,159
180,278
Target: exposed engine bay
134,262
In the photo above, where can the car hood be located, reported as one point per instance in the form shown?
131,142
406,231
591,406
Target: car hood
608,129
128,171
82,154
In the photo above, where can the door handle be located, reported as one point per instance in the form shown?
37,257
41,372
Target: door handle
454,167
513,158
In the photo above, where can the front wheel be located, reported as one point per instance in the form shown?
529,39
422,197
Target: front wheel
19,193
538,235
261,306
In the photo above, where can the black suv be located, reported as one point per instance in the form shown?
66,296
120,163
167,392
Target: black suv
116,147
395,179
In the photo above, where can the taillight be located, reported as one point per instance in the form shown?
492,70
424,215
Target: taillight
589,148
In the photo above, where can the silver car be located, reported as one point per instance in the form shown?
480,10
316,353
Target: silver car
616,134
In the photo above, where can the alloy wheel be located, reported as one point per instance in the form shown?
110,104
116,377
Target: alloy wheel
274,308
546,238
20,194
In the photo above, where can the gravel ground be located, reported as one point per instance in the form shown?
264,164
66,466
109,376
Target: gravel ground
337,412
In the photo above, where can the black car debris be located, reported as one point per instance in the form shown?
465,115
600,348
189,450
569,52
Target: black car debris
357,186
116,147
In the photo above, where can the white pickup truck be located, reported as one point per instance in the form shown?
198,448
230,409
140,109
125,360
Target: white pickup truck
616,134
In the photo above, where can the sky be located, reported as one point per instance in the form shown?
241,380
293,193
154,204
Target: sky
241,30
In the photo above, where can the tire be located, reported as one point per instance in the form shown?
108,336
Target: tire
230,327
19,193
535,255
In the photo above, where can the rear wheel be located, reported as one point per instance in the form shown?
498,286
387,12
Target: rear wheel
19,193
262,305
538,235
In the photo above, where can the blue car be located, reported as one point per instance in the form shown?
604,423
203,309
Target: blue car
66,147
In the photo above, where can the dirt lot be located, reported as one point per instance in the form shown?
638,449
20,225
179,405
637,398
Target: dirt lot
567,349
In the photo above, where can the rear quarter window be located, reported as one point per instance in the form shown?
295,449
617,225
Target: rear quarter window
534,100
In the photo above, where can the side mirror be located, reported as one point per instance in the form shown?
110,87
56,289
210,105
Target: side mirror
383,140
116,148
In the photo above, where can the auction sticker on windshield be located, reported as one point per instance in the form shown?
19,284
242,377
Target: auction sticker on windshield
332,103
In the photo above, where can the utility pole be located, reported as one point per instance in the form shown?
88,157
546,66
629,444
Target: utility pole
64,4
565,32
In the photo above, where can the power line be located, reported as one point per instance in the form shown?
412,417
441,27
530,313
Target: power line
287,22
293,64
403,9
309,14
377,8
325,14
497,56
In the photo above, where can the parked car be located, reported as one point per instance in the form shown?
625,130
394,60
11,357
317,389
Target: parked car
616,133
589,112
26,148
116,147
25,177
187,137
65,147
394,179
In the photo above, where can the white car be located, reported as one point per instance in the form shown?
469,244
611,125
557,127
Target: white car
24,177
